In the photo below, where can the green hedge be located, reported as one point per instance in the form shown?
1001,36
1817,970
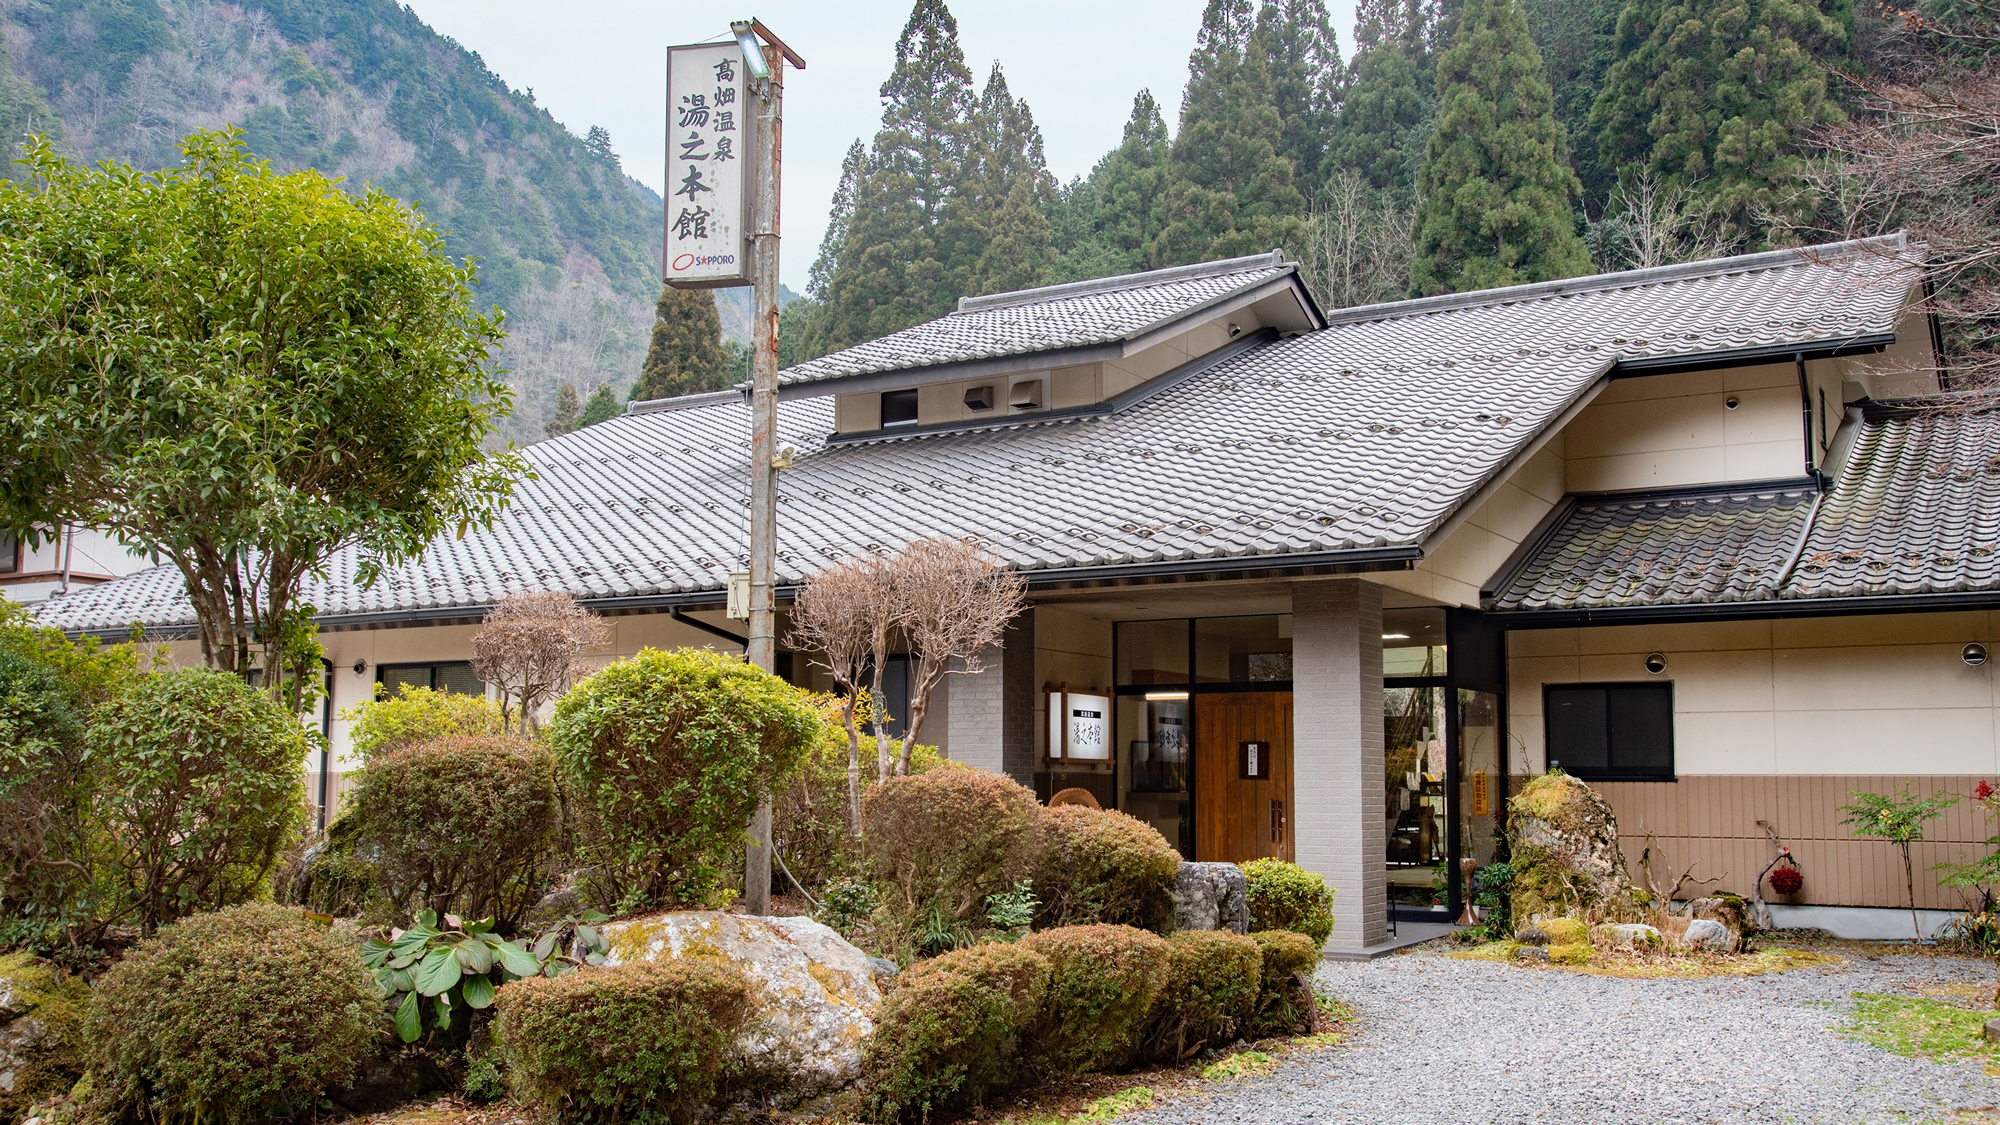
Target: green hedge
1213,981
1095,866
1284,995
938,843
239,1016
1102,983
949,1032
639,1044
1285,896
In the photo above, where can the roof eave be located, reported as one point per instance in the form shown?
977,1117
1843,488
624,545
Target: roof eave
1686,612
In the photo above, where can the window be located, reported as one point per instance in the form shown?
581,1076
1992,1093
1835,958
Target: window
10,554
1611,732
899,408
453,677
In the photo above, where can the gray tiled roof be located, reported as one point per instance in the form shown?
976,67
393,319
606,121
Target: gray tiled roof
1364,436
1914,510
1048,319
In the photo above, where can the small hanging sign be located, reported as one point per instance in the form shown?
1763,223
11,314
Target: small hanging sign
711,167
1253,761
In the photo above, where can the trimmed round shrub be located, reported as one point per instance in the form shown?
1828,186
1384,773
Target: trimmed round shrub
1285,896
948,1034
200,786
671,752
1102,983
1213,980
1100,866
418,714
459,825
810,815
243,1015
1285,1000
941,841
638,1043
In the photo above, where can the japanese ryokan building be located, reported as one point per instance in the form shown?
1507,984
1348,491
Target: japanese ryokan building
1329,586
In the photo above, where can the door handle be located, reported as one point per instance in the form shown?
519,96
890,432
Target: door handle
1277,822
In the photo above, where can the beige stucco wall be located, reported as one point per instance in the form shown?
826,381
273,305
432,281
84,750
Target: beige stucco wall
1835,695
1453,572
1662,431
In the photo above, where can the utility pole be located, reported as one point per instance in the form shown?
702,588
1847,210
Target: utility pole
762,647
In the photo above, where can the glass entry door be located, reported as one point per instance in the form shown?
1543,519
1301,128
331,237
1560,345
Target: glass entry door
1417,758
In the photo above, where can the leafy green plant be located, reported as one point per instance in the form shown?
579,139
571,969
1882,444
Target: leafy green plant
1898,819
197,789
639,1043
1012,910
844,903
1285,999
671,751
1213,981
453,965
1098,865
416,715
1102,983
483,1081
246,1015
939,842
941,933
1285,896
950,1033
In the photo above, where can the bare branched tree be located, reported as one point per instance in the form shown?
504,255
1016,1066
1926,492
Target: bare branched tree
1358,244
531,646
1648,224
956,602
1923,155
833,618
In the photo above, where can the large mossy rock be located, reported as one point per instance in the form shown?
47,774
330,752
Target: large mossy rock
816,991
1563,839
1210,896
41,1033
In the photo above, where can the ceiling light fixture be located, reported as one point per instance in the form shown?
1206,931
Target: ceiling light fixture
1157,695
1395,636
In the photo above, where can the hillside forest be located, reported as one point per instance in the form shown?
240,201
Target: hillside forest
1458,144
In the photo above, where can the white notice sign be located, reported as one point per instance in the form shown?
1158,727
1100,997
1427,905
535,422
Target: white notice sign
711,147
1089,727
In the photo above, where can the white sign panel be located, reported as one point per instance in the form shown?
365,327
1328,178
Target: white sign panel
711,147
1089,719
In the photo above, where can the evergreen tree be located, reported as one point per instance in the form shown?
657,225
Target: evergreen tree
1576,39
852,167
1717,97
1497,190
1389,106
1307,79
1001,200
602,407
686,356
1128,185
562,419
892,270
1018,247
1228,191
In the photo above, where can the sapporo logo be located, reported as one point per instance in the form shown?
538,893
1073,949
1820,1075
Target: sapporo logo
689,261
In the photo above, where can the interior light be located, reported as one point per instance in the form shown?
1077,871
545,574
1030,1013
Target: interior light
1395,636
1166,695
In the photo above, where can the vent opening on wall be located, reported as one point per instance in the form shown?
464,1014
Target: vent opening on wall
1027,394
979,398
899,408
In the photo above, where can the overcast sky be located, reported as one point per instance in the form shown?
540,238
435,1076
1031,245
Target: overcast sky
602,62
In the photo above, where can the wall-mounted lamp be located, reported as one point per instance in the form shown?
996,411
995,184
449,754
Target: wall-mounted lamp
753,55
1973,654
361,667
1656,663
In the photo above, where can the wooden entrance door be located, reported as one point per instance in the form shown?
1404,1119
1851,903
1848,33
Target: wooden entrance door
1239,818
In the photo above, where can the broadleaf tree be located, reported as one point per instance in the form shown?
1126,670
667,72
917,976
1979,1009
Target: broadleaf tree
242,371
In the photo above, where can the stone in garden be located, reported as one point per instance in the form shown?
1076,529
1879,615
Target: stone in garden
41,1030
1210,896
1564,841
818,989
1564,931
1627,935
1708,934
1532,934
1730,910
1531,952
1573,953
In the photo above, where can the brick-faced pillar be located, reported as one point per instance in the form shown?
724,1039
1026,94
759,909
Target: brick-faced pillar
1337,786
992,715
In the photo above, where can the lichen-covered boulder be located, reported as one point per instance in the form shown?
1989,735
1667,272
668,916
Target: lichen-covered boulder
41,1029
817,991
1708,935
1210,896
1626,935
1564,842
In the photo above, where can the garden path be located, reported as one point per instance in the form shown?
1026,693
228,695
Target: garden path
1439,1041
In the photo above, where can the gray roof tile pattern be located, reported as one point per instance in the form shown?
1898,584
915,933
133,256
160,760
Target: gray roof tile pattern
1656,550
1068,316
1368,434
1915,510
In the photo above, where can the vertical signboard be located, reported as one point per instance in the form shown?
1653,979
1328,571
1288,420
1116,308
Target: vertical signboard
711,167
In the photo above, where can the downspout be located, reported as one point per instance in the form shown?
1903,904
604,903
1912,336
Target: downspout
69,553
1806,420
326,745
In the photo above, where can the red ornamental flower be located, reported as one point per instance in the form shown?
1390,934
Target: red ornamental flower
1787,880
1982,792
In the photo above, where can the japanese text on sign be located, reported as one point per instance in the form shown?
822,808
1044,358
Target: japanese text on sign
709,137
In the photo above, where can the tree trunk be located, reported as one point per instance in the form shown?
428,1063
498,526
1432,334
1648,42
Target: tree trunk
853,764
1910,884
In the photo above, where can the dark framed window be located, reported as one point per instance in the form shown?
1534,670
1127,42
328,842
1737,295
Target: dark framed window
899,408
10,553
454,676
1611,732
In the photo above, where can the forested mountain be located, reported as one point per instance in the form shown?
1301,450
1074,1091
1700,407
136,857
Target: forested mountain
363,89
1463,144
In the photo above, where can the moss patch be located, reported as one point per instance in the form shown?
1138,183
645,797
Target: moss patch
52,1055
1921,1027
1242,1064
1676,966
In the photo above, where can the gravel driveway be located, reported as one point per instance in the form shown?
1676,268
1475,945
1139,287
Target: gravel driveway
1441,1041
